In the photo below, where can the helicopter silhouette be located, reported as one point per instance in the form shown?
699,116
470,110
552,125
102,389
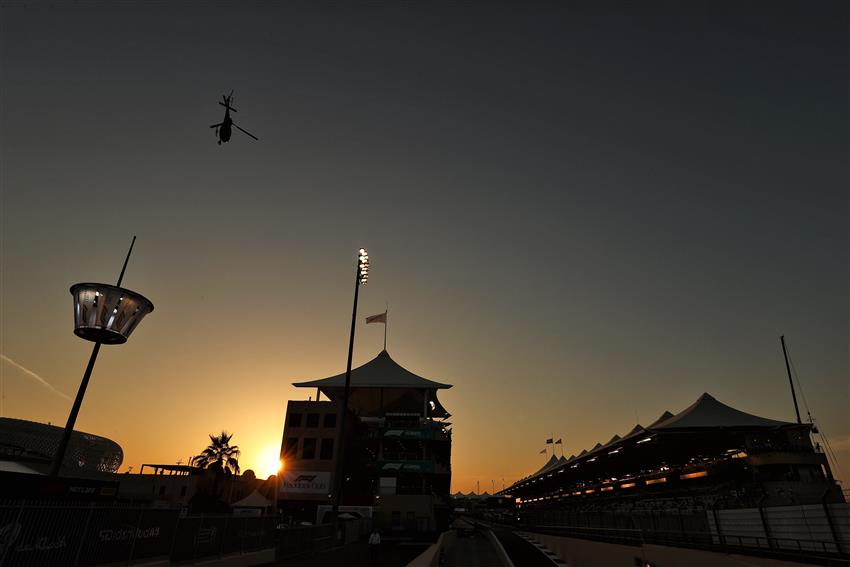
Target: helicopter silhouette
222,129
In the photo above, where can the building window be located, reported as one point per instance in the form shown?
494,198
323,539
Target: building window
327,450
396,519
330,420
308,449
290,447
312,420
295,420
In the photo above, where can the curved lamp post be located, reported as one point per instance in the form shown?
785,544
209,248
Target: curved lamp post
361,278
103,314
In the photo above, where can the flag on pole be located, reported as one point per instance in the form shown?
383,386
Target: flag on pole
549,441
558,442
379,318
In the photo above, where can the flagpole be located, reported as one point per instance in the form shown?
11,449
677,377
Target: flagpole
386,324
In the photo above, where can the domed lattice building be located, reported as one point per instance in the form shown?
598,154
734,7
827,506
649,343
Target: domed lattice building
34,445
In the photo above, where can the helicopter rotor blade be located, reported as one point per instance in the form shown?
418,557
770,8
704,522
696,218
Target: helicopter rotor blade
247,132
227,106
216,125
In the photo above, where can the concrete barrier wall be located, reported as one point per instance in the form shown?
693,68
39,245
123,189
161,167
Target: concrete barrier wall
500,551
662,555
431,556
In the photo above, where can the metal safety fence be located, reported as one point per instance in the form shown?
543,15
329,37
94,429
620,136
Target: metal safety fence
36,534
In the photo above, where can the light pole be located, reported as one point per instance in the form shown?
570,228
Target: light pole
103,314
361,278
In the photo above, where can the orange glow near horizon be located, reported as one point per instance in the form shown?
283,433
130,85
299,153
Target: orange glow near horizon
269,462
127,374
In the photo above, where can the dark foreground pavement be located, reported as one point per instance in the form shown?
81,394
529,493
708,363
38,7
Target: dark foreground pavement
522,553
471,551
357,555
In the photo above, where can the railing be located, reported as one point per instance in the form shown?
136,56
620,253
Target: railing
410,433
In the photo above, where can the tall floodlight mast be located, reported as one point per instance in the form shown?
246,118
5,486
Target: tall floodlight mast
361,278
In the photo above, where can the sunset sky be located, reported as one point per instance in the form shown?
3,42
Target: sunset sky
580,214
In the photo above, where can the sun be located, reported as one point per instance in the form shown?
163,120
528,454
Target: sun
269,462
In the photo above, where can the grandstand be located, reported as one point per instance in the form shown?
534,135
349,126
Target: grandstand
708,456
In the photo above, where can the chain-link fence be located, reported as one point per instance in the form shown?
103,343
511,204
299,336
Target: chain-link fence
35,534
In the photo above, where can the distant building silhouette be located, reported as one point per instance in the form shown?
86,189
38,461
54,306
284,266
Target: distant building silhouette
29,446
397,449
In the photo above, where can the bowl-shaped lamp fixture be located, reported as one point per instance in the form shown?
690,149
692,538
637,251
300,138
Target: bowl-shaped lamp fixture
106,313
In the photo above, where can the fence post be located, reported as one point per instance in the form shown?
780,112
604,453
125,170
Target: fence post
831,522
135,536
82,537
766,527
717,527
223,536
174,537
197,533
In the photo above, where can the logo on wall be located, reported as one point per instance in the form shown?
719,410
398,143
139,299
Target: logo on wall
8,534
305,482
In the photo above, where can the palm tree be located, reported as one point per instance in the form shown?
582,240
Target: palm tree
219,455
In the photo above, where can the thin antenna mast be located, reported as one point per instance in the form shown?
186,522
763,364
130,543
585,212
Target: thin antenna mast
790,381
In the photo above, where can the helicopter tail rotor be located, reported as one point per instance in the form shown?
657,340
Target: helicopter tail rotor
247,132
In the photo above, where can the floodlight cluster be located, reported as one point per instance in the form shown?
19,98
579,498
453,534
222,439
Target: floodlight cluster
364,266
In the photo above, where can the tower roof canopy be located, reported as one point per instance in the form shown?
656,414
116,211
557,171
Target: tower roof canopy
380,372
707,412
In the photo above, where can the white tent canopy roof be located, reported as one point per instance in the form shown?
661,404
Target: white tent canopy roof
553,461
707,412
663,417
380,372
253,500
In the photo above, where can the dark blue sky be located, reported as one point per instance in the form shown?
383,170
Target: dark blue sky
577,211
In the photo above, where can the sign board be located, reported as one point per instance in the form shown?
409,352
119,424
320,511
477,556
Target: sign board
306,482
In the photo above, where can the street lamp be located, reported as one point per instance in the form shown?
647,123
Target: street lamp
361,278
103,314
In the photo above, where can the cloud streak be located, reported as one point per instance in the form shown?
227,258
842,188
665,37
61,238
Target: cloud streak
34,376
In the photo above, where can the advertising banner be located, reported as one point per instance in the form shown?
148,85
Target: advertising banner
305,482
